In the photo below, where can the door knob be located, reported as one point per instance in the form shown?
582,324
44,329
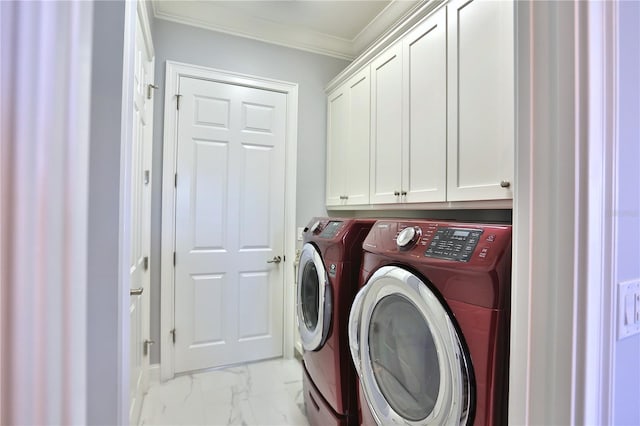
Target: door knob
505,184
276,259
136,291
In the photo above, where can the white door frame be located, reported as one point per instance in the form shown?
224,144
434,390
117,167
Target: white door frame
147,148
175,71
563,300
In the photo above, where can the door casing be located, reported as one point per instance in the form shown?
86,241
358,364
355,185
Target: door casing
174,72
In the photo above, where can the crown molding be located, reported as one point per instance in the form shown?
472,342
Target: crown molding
229,21
413,17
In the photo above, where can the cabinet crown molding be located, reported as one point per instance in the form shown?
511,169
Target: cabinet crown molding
412,18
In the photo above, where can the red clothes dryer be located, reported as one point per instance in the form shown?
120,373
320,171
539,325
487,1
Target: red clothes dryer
429,329
326,285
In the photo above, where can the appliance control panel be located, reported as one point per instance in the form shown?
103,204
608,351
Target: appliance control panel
453,243
331,229
467,243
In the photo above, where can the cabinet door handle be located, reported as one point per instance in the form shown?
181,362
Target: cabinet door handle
403,193
505,184
136,291
396,193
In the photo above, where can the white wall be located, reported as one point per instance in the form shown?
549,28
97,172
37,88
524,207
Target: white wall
626,407
107,292
181,43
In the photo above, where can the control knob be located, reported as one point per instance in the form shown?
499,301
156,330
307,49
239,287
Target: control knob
408,237
315,227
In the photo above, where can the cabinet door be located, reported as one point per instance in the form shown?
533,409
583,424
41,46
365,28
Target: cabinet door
386,126
424,170
481,100
357,146
337,137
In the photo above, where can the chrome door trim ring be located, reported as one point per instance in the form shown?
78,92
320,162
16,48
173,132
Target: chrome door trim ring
313,339
453,406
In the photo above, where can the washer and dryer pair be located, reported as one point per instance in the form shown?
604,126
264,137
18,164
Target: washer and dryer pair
405,322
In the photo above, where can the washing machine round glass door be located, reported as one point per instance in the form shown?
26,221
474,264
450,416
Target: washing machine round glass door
413,366
314,299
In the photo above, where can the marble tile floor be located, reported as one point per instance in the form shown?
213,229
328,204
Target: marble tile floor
261,394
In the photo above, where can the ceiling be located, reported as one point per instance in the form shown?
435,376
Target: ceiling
342,28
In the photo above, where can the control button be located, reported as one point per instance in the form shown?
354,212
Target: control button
491,238
483,252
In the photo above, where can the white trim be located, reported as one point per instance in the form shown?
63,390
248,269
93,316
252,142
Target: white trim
124,238
413,18
154,374
270,32
143,15
393,14
175,70
228,20
561,295
594,381
461,205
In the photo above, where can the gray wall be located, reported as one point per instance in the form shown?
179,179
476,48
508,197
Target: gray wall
181,43
626,410
104,349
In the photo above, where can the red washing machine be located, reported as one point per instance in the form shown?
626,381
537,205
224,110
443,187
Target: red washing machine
429,328
326,285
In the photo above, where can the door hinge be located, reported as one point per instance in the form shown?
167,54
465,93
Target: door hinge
174,258
173,336
145,262
146,177
284,258
175,180
149,88
178,101
145,346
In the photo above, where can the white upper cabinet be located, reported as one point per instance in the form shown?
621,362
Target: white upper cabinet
386,126
337,139
481,100
441,110
424,163
409,117
348,141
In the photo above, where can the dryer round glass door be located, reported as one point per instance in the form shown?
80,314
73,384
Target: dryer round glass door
314,299
413,366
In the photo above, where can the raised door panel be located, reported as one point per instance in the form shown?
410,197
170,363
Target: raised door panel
424,172
337,138
481,100
386,126
357,179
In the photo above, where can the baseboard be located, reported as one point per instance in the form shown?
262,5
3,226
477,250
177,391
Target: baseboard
154,373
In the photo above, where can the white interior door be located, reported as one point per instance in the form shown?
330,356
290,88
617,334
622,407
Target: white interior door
140,224
229,224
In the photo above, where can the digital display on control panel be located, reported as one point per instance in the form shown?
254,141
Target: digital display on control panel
453,244
463,234
331,229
